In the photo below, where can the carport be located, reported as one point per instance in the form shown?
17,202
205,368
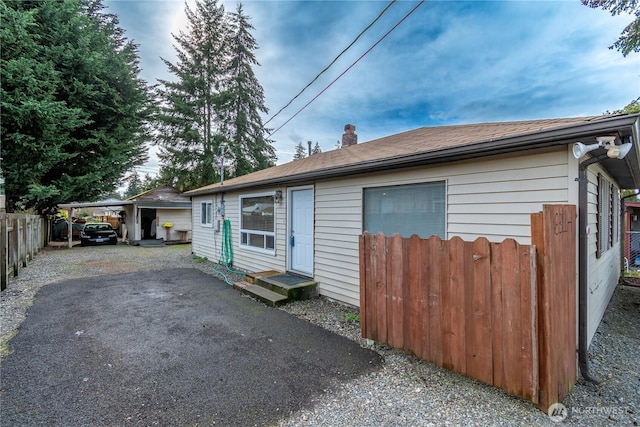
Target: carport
162,207
111,204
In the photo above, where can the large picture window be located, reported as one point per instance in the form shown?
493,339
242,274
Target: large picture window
257,222
406,209
206,213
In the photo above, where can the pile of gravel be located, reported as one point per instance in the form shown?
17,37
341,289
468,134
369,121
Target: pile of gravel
410,391
406,390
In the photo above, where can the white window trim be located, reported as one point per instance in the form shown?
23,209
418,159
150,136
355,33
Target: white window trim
446,199
608,218
203,222
264,233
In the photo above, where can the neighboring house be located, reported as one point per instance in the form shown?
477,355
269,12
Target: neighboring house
632,234
148,212
478,180
142,216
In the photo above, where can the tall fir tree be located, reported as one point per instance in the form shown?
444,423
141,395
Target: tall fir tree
135,185
73,107
188,120
213,107
244,101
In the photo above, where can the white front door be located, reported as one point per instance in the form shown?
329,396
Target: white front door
300,242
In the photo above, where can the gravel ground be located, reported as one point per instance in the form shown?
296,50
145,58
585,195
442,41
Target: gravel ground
406,391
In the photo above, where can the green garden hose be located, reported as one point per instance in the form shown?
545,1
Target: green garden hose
226,254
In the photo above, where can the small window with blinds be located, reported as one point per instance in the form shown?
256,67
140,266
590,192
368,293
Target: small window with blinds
406,209
608,227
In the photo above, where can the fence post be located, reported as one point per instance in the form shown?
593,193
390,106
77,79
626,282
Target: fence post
553,232
4,255
365,274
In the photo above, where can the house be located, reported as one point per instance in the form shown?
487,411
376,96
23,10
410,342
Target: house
632,234
149,211
141,217
475,180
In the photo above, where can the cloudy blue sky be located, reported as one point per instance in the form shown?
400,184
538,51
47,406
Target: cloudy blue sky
449,62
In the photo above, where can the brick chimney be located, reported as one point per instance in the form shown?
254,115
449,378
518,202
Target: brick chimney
349,137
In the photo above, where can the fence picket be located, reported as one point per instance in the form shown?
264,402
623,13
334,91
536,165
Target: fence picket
432,317
478,312
395,300
380,278
502,313
497,318
415,299
529,334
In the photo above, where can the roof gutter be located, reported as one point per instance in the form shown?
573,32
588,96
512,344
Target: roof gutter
94,204
530,141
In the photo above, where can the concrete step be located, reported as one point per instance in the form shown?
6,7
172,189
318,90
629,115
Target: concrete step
261,294
303,288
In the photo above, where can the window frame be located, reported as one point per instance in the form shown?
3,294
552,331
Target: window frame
608,212
443,212
242,232
206,206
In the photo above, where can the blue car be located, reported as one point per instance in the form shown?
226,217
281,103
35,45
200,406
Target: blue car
99,233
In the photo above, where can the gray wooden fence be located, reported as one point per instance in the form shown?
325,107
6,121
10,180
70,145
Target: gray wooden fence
21,238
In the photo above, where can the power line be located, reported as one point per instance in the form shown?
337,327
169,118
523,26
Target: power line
349,67
333,61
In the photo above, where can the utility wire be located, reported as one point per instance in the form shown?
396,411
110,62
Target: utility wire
334,60
349,67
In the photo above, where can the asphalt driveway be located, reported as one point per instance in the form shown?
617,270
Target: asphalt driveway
171,347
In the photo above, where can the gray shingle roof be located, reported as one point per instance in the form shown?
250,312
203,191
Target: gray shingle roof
421,146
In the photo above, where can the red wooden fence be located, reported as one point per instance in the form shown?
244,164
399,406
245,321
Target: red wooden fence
473,307
553,232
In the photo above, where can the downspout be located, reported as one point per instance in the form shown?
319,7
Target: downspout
583,221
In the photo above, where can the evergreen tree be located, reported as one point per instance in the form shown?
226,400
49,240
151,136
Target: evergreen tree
316,149
213,107
301,152
244,100
135,185
149,183
189,124
73,107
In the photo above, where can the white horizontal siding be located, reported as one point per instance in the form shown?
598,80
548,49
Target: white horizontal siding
180,218
603,273
203,238
538,196
524,208
208,243
492,198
